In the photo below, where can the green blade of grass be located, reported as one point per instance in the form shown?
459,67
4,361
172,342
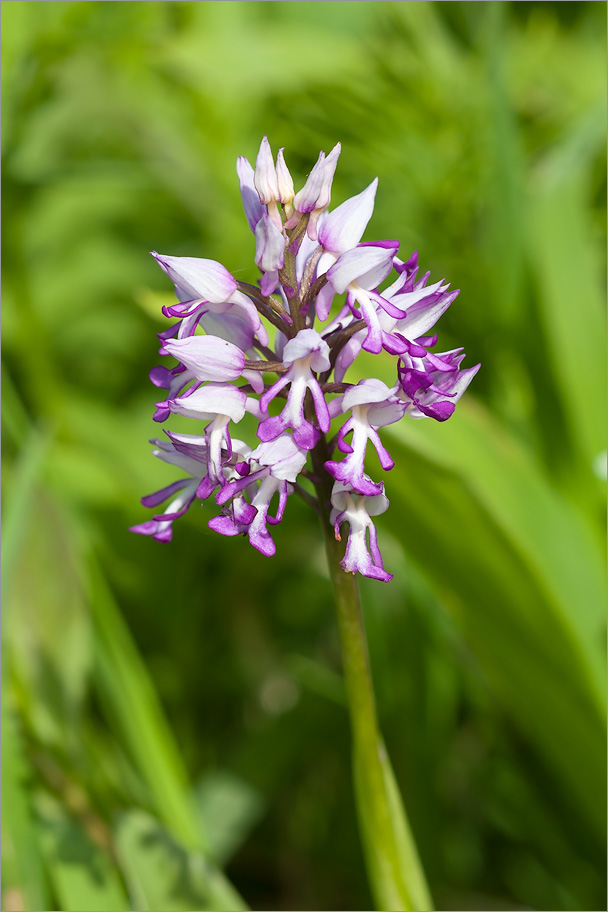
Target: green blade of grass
133,705
522,574
571,299
27,473
83,874
20,838
160,873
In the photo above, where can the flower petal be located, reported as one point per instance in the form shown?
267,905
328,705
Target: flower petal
358,262
308,342
199,278
211,400
251,201
364,392
233,326
265,175
269,245
208,357
343,228
284,180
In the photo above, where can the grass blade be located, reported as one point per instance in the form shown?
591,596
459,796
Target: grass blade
132,703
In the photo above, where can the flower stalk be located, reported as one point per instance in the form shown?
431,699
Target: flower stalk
395,873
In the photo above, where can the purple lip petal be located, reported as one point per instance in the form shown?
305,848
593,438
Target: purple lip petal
153,500
162,412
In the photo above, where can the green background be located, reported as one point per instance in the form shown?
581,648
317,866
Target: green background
174,711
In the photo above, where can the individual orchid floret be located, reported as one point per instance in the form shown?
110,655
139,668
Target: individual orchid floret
204,286
341,231
372,405
315,195
422,306
218,403
202,358
182,492
276,465
302,355
356,510
358,272
431,385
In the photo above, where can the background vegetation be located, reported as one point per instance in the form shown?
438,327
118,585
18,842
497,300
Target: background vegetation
172,712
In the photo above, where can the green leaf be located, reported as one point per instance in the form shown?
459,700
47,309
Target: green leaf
572,300
229,808
397,882
160,873
22,864
521,570
83,875
26,476
133,705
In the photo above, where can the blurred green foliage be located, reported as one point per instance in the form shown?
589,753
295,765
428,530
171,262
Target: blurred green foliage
172,710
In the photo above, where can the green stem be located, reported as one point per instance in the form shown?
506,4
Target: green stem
395,873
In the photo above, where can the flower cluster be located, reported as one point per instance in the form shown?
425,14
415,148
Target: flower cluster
307,256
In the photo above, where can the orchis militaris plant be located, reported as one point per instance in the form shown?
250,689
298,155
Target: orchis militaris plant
307,255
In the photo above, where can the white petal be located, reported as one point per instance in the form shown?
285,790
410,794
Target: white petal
285,458
365,392
358,262
232,326
284,180
421,318
211,400
343,228
269,245
208,357
308,342
205,279
305,199
265,175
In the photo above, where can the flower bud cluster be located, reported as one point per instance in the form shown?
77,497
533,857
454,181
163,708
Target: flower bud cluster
307,255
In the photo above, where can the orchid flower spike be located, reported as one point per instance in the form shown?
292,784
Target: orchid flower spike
314,428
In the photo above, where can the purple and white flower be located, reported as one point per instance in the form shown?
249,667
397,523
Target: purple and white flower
219,404
181,493
356,509
304,356
308,414
431,385
372,405
206,287
273,466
